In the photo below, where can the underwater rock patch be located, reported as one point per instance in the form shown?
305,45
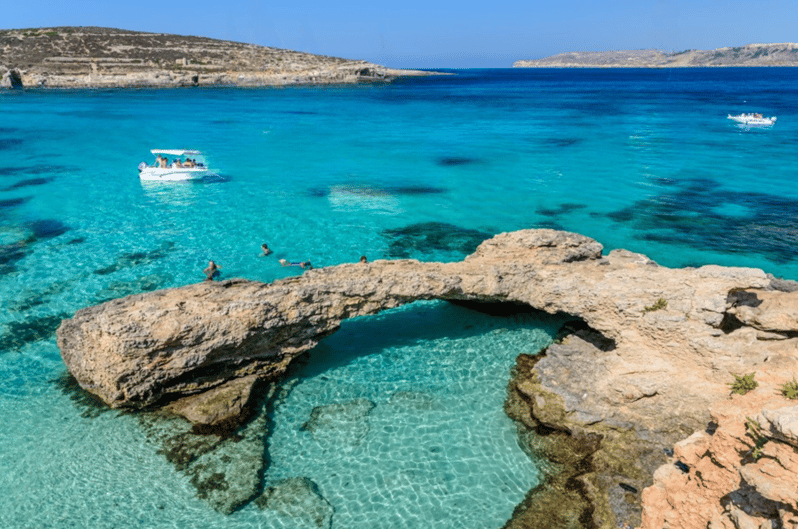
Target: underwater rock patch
432,237
10,143
29,183
415,400
13,202
689,215
562,209
453,161
120,289
21,333
10,254
300,501
562,142
34,169
227,470
137,258
375,191
46,229
340,425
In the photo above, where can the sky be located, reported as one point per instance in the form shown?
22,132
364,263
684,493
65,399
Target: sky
434,33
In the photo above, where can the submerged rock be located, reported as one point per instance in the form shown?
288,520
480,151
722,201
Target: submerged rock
341,425
300,501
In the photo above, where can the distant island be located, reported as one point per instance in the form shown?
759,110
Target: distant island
93,57
750,55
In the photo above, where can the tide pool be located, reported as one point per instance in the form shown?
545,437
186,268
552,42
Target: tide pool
408,404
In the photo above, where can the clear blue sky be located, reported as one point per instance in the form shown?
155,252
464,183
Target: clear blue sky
434,33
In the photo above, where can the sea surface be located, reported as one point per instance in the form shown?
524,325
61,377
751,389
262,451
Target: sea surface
422,168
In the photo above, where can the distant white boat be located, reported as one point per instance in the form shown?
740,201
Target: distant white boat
753,120
184,165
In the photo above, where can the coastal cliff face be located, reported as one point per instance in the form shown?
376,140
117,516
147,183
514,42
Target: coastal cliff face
750,55
651,350
83,57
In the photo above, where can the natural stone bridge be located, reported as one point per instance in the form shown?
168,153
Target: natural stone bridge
657,349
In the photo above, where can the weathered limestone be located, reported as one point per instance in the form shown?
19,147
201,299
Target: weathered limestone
654,350
91,57
785,54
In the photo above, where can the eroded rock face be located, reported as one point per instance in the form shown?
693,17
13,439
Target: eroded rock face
740,473
657,346
82,57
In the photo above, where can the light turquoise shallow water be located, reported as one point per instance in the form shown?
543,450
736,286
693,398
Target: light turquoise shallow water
424,168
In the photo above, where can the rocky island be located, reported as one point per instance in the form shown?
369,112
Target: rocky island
92,57
632,404
750,55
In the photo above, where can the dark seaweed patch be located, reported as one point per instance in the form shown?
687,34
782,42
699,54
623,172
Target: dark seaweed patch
13,202
35,169
46,229
562,209
9,143
562,142
22,333
120,289
550,225
452,161
29,183
375,191
693,215
10,254
431,237
136,258
76,240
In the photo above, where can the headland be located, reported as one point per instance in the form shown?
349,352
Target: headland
93,57
751,55
647,362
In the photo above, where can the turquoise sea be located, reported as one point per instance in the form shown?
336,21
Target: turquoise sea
422,168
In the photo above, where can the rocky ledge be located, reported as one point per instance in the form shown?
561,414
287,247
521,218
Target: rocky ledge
91,57
750,55
650,351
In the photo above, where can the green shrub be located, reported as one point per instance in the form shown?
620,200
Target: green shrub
754,431
660,304
743,384
790,389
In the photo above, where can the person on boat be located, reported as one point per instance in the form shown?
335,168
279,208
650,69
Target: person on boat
189,163
158,161
302,264
265,249
212,271
178,163
164,162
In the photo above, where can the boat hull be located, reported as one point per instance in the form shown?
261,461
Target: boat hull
174,174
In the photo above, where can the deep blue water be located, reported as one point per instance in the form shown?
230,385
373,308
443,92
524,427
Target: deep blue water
424,168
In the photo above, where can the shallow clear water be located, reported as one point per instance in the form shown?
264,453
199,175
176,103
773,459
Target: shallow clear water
422,168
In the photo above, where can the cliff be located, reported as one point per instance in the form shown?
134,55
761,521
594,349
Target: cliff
82,57
650,351
750,55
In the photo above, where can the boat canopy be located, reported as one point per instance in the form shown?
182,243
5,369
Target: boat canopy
176,152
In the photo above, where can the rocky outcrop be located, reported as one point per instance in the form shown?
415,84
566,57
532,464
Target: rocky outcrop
652,349
750,55
738,474
82,57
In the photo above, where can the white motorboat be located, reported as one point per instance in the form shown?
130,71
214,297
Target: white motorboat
184,165
753,120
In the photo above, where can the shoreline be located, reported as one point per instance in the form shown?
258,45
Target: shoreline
652,351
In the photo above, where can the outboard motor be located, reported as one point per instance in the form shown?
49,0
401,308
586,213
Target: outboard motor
142,165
